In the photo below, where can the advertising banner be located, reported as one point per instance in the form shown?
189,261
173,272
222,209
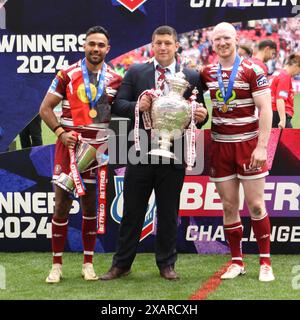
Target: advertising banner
27,204
37,38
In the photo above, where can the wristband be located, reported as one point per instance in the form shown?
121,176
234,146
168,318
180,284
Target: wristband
58,126
59,131
61,134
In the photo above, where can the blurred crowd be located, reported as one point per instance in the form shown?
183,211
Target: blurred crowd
195,47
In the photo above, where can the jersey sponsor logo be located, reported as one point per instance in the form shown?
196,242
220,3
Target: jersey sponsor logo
81,94
116,209
262,81
283,94
258,70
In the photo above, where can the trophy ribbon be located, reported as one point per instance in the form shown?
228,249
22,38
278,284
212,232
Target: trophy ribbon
79,185
191,146
146,116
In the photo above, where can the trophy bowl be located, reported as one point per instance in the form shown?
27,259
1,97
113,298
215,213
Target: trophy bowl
85,156
170,115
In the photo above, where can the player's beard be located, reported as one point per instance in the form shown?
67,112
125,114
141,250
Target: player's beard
94,59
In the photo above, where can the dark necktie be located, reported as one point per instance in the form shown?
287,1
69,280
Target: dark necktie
162,77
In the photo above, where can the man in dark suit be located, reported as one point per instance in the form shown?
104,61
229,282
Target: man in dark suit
140,179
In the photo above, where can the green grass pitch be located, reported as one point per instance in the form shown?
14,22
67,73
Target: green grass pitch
26,272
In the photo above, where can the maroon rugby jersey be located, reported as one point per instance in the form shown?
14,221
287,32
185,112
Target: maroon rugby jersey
261,64
238,119
64,78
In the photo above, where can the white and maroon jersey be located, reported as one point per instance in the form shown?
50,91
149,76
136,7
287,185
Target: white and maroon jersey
260,64
238,119
63,82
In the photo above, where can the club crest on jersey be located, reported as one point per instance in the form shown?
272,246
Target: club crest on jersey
250,170
116,209
57,169
213,171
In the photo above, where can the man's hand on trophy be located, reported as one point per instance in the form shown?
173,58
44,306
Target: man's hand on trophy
200,113
69,139
145,102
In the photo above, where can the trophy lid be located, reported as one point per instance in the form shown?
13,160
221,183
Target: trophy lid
178,81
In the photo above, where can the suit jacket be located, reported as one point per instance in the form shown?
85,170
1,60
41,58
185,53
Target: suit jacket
141,77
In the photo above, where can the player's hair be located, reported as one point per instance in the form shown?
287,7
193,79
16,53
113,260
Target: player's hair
293,59
248,50
267,43
97,29
165,30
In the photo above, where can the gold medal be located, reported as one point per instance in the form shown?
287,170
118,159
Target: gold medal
224,108
93,113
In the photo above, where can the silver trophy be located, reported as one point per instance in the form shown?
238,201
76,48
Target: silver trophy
170,115
85,155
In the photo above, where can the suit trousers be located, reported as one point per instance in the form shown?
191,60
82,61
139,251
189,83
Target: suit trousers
276,120
31,135
139,181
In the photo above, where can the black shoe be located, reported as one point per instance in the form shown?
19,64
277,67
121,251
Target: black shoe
169,273
114,273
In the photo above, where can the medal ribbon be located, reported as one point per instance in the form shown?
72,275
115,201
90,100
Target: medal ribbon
86,80
227,94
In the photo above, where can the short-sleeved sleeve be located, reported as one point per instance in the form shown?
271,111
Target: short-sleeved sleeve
59,84
283,87
259,83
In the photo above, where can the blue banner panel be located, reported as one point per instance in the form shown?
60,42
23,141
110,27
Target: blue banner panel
37,38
